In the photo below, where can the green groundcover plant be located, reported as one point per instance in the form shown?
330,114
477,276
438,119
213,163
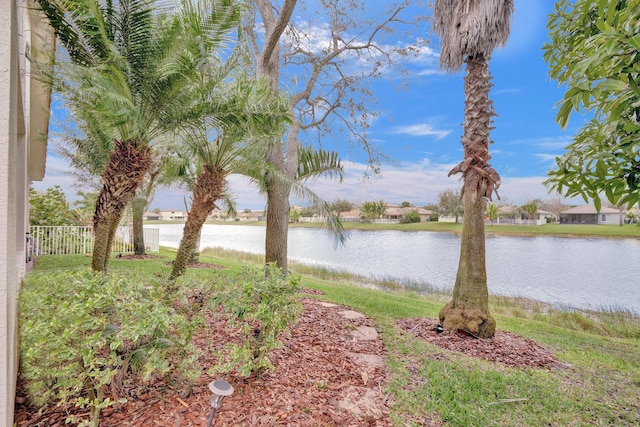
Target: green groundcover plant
262,305
82,334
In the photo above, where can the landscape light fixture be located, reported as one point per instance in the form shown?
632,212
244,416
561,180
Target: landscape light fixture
220,389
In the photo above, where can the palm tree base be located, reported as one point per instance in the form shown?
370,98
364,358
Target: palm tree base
466,317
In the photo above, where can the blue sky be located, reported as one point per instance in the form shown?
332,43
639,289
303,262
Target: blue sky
419,128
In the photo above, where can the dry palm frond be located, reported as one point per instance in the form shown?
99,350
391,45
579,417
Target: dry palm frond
469,28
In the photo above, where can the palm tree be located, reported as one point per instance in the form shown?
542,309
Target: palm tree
530,208
470,30
209,186
203,166
373,210
238,147
135,68
493,211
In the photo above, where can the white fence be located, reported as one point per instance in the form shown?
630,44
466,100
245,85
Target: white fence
46,240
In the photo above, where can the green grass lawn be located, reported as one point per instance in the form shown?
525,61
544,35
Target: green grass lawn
599,383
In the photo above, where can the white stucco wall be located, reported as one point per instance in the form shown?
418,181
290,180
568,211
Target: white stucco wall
11,133
23,130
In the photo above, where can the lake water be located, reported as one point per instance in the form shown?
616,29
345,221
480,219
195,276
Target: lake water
579,272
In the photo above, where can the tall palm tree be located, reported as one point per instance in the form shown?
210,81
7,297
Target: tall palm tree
207,188
470,30
493,212
135,71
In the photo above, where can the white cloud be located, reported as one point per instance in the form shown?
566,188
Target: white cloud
432,72
310,37
56,173
507,91
546,158
422,129
417,182
558,143
519,190
545,142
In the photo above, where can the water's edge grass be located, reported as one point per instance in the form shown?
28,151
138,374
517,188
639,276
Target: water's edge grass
608,321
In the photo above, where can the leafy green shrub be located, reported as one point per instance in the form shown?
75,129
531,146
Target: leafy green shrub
262,306
409,217
50,208
81,332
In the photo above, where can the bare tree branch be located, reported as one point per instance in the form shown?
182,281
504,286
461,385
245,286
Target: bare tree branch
274,29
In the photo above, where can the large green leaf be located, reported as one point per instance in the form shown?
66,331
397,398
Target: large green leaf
589,54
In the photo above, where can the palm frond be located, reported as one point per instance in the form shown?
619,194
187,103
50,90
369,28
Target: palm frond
260,172
469,28
330,220
80,27
315,163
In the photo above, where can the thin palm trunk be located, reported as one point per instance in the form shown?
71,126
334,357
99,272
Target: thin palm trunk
128,163
469,308
139,206
208,188
137,212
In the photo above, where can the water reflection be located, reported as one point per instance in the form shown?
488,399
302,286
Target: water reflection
586,273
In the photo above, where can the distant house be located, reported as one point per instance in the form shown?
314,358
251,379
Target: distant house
396,213
151,216
509,214
512,214
545,216
587,214
350,216
173,215
250,216
217,214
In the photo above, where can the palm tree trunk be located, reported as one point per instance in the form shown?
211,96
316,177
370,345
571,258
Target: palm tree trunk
195,255
101,238
469,308
128,163
138,206
208,188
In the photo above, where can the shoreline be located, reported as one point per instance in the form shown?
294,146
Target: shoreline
627,231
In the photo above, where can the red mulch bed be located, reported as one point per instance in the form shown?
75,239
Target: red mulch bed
325,375
504,348
317,381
